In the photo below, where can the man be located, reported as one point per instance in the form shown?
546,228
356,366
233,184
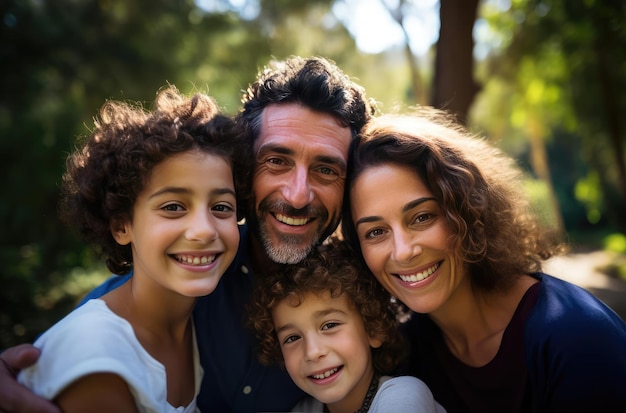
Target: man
300,115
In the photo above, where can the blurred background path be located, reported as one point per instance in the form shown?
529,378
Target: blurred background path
585,270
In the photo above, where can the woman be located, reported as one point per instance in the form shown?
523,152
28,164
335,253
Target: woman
440,219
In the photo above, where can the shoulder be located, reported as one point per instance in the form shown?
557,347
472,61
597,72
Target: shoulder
92,321
571,337
308,405
564,309
404,394
88,340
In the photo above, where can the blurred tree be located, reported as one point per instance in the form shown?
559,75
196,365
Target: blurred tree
563,61
61,60
454,87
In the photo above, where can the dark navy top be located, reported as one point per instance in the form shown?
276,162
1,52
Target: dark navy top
563,351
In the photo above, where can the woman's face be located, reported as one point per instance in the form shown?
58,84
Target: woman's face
405,238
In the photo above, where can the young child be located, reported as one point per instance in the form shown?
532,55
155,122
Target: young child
155,193
333,327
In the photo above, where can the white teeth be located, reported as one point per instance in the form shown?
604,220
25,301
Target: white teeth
195,260
420,275
325,374
291,221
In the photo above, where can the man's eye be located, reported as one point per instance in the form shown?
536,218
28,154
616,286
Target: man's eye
275,161
327,171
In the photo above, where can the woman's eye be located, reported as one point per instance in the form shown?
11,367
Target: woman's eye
423,217
374,233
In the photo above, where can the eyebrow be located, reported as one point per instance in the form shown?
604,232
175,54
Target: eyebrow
409,205
317,314
271,147
185,191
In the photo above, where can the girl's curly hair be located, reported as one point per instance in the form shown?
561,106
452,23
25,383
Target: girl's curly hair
495,231
331,268
105,175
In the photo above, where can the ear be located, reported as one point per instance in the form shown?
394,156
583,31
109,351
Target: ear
120,230
375,342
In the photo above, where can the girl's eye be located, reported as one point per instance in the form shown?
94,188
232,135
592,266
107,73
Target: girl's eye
172,208
291,339
223,208
329,325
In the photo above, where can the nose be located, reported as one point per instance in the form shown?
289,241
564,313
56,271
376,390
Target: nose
405,246
297,189
314,348
201,227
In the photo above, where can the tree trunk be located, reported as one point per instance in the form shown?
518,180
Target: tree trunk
454,87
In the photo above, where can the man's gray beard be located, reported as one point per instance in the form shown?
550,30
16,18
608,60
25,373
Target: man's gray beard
286,253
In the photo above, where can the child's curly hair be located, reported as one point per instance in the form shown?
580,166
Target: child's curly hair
333,268
106,174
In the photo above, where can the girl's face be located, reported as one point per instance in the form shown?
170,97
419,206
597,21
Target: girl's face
184,229
404,237
326,349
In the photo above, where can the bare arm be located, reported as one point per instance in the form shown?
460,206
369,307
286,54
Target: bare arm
15,398
100,392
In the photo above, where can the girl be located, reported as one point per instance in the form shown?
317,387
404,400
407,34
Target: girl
154,192
332,326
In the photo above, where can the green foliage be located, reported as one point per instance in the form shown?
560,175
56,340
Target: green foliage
549,66
587,191
61,60
553,72
538,195
615,243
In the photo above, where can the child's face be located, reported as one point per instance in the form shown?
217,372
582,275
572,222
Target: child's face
326,348
184,228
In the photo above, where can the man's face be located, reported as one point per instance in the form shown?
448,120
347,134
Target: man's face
298,180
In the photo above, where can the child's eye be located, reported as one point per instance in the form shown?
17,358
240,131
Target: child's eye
329,325
291,339
172,207
223,208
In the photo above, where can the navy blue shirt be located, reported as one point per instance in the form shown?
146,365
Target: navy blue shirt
568,350
234,380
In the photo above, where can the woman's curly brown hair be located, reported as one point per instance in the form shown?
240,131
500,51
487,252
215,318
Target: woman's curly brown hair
479,189
331,268
105,175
